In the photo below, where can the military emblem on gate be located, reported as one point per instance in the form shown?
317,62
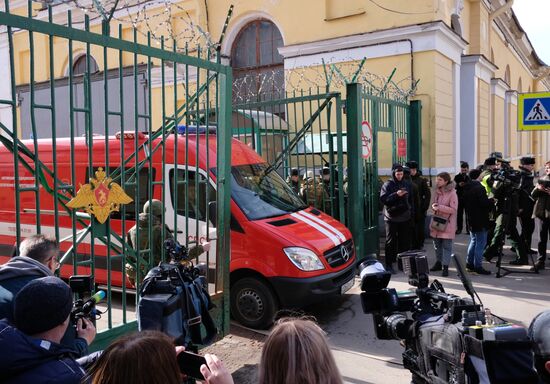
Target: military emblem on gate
100,197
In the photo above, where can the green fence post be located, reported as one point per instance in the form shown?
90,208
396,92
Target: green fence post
414,139
356,207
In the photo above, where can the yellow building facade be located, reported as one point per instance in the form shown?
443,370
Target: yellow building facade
469,60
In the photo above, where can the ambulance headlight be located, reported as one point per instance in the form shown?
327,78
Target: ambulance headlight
304,259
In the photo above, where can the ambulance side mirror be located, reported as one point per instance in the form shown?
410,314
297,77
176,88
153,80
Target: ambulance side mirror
212,213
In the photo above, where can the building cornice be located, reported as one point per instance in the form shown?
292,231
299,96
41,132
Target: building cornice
484,69
499,87
424,37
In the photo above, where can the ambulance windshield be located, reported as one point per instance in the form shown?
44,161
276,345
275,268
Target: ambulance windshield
261,193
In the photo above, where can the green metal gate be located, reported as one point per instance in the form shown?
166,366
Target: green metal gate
176,161
305,131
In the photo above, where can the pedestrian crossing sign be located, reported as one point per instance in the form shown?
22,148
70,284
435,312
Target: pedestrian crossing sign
534,111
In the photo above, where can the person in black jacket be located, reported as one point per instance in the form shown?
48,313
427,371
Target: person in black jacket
396,196
477,207
420,214
526,202
460,181
37,258
30,351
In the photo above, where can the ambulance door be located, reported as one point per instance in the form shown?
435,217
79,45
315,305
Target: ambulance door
189,195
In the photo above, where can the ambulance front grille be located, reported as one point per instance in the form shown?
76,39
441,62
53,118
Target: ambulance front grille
334,255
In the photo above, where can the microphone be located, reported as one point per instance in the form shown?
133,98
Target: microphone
92,301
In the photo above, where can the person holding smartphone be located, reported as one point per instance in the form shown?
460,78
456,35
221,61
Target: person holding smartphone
445,206
150,357
396,196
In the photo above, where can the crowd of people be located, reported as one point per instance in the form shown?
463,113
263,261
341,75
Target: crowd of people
488,201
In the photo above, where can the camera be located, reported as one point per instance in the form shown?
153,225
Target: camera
82,285
176,251
445,336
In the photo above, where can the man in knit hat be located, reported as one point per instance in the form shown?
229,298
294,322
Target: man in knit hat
539,333
30,351
37,258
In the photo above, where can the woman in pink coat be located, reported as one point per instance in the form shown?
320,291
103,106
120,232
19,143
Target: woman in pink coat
445,205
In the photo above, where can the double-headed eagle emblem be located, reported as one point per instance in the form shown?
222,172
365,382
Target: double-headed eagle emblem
101,197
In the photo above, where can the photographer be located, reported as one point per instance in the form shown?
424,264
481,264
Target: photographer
37,258
541,211
539,333
31,351
504,187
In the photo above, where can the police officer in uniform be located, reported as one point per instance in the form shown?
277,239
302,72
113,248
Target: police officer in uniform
526,202
314,193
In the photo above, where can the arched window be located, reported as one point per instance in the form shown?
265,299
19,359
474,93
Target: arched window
79,66
258,70
507,75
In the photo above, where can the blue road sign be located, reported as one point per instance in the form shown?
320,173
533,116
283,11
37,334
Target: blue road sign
534,111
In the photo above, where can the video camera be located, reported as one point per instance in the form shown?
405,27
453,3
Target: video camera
176,251
82,285
446,338
507,175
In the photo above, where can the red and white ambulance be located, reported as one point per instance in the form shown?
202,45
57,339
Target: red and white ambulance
283,254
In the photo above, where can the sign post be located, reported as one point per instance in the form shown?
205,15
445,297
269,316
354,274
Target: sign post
534,111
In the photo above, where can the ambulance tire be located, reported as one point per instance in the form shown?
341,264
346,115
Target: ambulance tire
253,303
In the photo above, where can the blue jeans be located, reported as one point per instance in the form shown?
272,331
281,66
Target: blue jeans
478,240
443,250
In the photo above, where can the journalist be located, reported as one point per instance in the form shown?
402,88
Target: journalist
37,258
539,333
477,207
30,351
541,211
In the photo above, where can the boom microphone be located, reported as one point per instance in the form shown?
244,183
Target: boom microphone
92,301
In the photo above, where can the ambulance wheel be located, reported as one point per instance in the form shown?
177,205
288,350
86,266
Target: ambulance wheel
252,303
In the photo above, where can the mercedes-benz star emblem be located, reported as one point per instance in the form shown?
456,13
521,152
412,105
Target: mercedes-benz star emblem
345,253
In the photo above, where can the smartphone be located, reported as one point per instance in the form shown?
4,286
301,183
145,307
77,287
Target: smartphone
190,364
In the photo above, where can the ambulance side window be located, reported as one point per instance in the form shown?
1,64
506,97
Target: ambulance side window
197,190
143,179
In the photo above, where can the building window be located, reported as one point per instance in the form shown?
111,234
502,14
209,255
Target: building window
258,70
79,66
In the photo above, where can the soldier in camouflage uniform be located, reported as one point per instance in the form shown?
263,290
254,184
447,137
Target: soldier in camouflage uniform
293,181
151,216
314,193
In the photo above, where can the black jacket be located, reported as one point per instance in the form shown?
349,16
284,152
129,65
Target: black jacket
526,202
397,209
24,359
423,191
477,205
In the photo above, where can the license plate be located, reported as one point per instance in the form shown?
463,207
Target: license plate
347,286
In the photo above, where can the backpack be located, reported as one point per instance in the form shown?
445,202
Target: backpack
175,300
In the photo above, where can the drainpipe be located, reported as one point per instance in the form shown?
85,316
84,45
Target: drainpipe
499,11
